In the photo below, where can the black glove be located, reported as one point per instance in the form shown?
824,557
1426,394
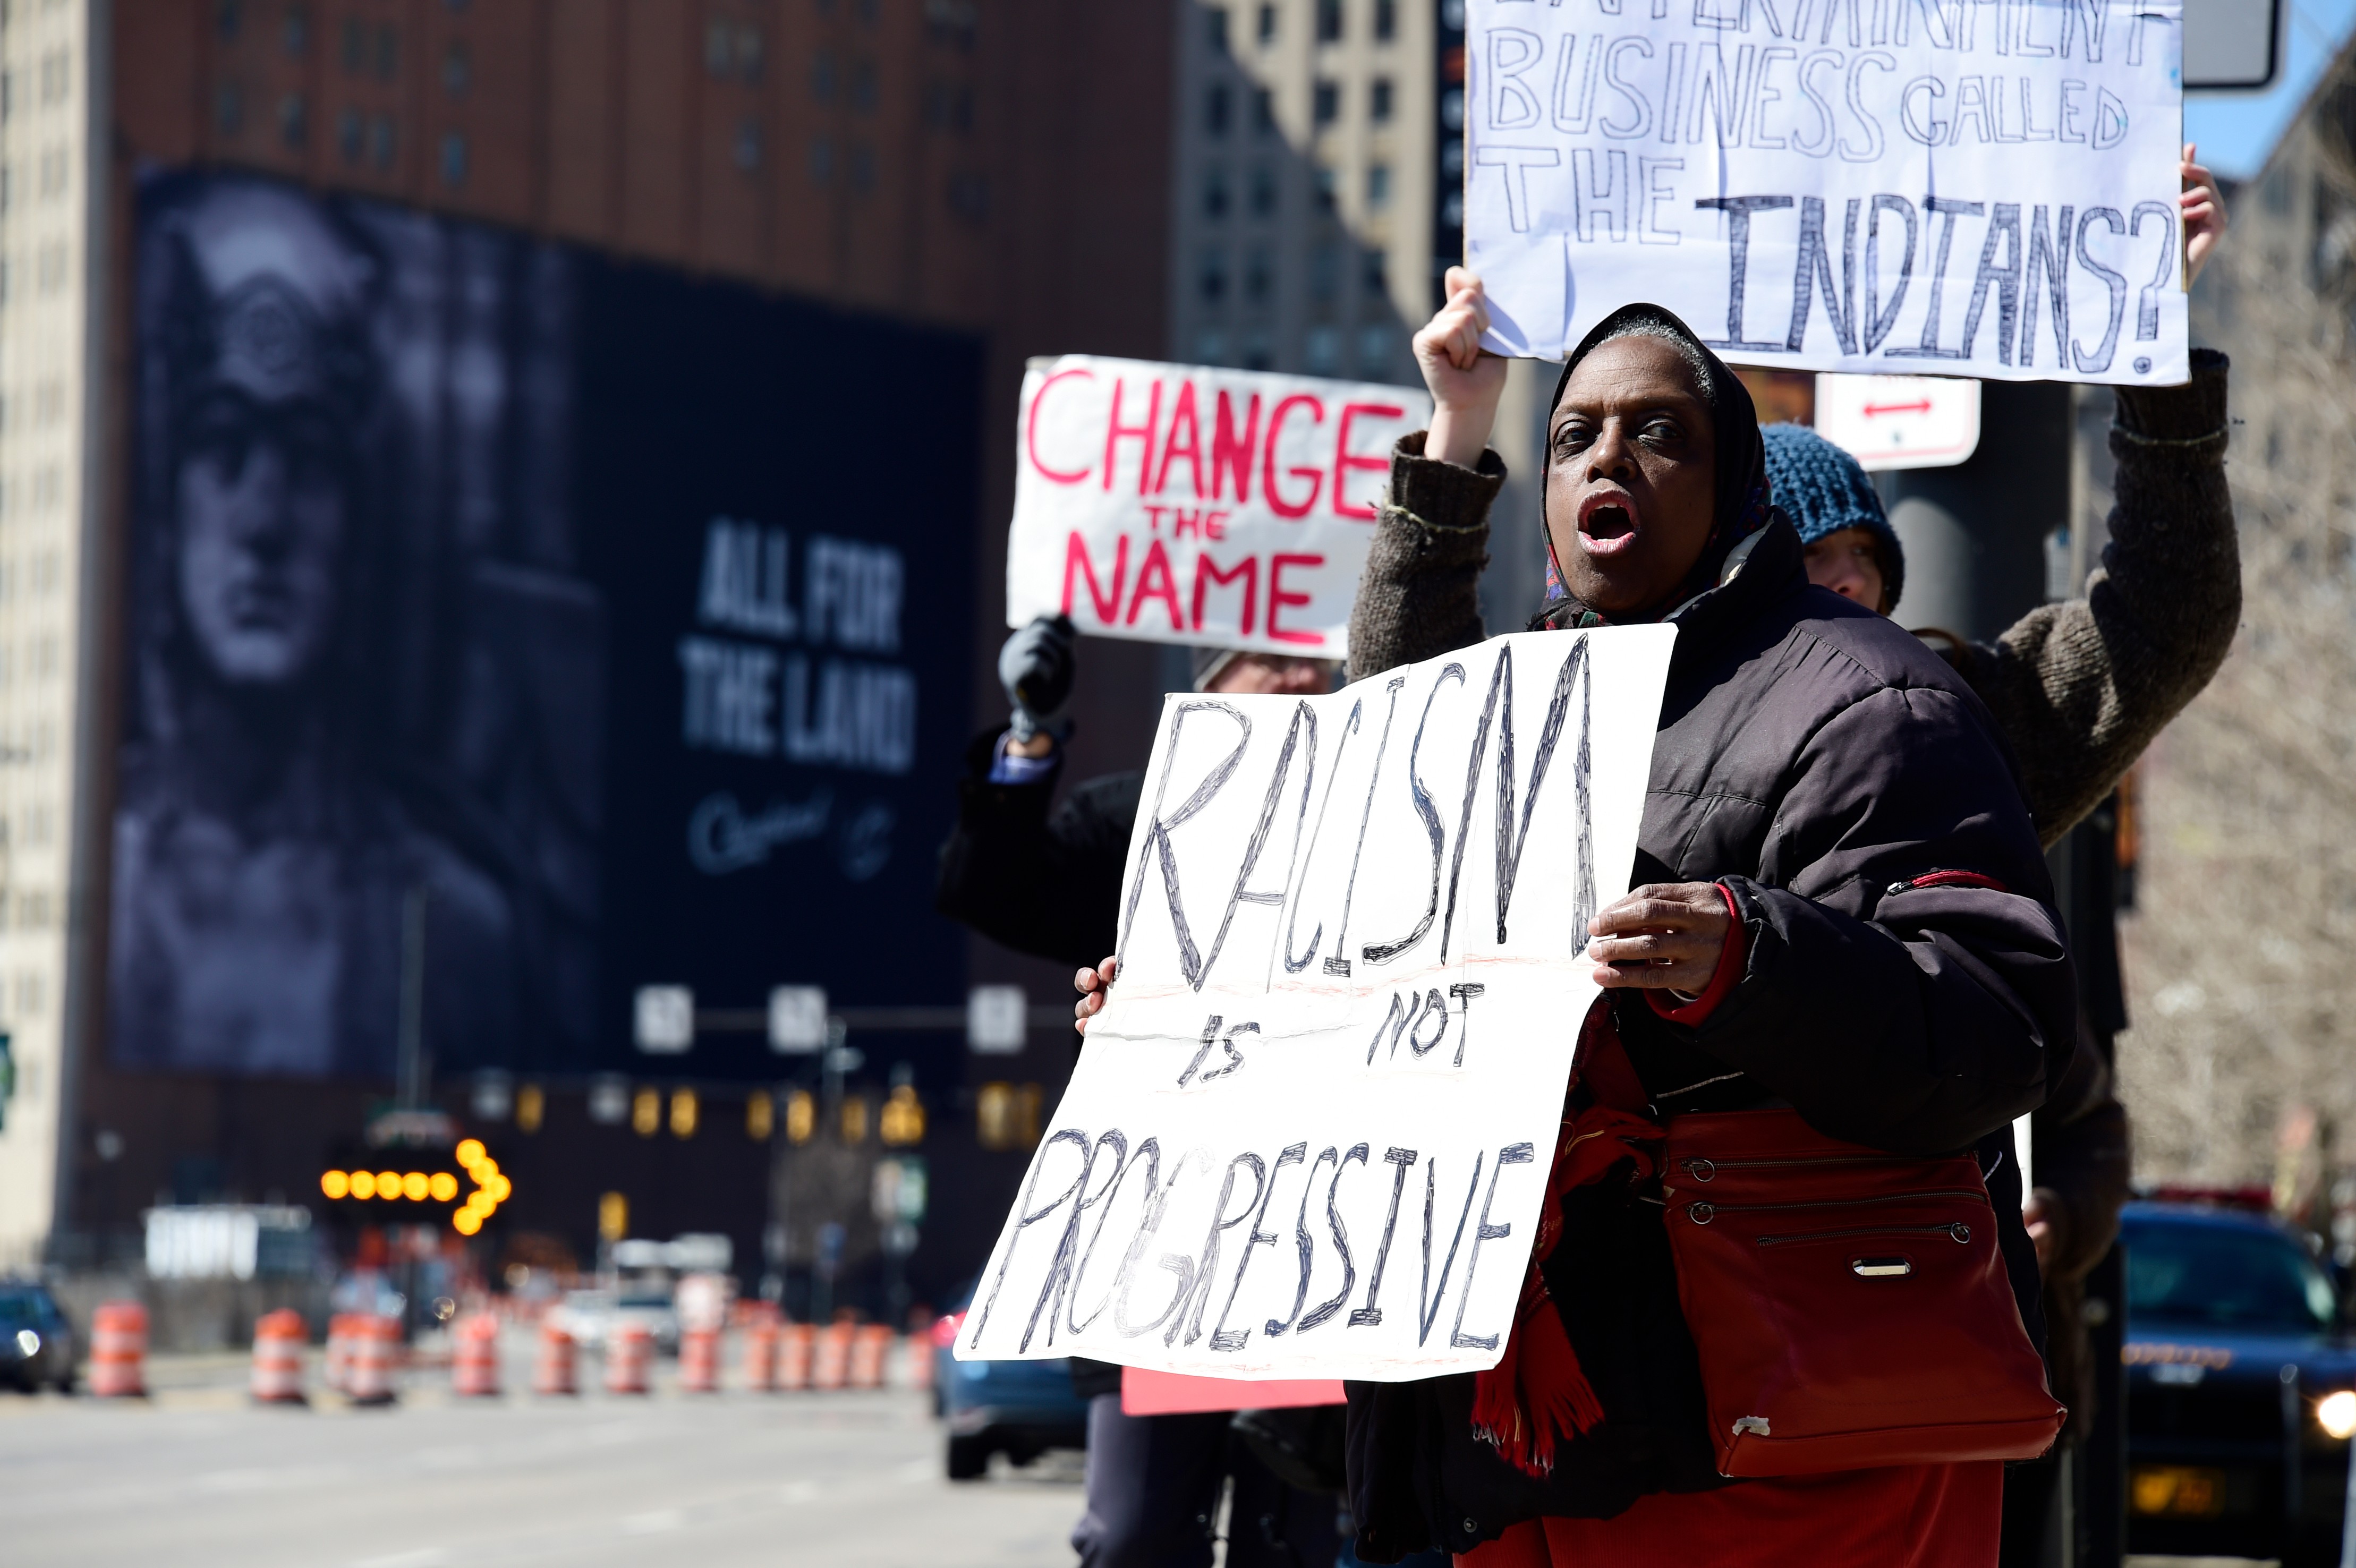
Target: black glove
1036,667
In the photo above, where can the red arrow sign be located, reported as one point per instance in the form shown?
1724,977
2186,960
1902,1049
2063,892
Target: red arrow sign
1871,410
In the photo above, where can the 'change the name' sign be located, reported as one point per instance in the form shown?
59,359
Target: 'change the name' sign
1181,503
1967,188
1311,1129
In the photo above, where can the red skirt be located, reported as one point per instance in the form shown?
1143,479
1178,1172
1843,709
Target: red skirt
1910,1516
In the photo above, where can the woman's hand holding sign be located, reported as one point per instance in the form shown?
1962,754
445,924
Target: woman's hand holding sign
1465,383
1093,986
2203,212
1663,935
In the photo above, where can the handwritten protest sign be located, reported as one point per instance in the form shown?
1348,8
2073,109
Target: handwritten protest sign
1311,1129
1179,504
1967,188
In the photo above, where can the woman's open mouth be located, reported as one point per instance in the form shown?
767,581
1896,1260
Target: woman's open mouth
1607,523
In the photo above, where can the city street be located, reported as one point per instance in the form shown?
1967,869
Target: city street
198,1476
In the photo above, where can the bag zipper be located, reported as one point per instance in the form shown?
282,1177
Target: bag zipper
1953,1230
1702,1168
1701,1212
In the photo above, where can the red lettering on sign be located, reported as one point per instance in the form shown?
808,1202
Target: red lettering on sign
1116,432
1031,432
1316,476
1154,580
1181,419
1153,516
1345,462
1207,573
1076,558
1278,598
1231,456
1214,525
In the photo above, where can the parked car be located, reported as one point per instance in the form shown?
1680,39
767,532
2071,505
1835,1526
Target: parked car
2240,1386
37,1343
1021,1408
589,1316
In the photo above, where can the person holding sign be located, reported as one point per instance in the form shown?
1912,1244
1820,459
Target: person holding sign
1842,910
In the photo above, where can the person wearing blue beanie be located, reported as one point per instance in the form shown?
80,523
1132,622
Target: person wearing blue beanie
1852,548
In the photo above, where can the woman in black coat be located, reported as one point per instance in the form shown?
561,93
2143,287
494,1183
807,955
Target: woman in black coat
1840,907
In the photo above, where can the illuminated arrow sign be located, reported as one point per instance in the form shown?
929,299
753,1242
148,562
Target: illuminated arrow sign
395,1186
1900,421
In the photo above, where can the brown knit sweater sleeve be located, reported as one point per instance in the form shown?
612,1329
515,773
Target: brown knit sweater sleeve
2081,688
1419,596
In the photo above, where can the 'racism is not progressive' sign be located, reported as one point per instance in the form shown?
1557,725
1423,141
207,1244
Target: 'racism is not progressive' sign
1181,504
1311,1129
1969,187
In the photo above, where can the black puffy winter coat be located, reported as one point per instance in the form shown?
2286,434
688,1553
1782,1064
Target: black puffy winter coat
1823,766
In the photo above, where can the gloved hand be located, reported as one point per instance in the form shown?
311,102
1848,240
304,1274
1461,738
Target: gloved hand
1036,667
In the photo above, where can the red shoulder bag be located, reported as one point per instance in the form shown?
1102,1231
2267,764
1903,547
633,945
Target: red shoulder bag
1849,1306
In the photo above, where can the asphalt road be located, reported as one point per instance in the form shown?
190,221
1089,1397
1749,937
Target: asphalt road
196,1476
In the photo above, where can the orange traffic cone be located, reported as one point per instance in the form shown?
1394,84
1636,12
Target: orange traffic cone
280,1344
868,1349
796,1342
831,1365
474,1360
118,1350
698,1360
761,1355
628,1348
557,1369
375,1338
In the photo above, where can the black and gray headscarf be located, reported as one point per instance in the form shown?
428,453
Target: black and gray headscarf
1742,505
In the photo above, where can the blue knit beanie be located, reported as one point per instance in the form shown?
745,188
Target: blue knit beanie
1822,490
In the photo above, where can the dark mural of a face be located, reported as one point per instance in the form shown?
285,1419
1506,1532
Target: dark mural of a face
273,831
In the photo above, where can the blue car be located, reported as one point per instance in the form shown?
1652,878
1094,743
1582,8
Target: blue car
2239,1379
1021,1408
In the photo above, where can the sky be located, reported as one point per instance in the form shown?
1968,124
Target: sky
2236,131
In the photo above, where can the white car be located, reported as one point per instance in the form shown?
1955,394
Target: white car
589,1316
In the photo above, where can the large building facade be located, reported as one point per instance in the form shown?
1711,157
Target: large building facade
402,402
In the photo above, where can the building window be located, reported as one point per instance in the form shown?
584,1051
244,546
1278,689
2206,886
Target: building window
1386,20
1327,183
1216,103
384,142
1378,185
293,120
822,76
351,135
230,20
1268,24
387,52
863,90
1216,20
1264,111
229,109
1214,192
453,159
1260,351
1211,276
457,70
948,105
1329,21
969,198
1321,350
294,32
822,160
1263,191
1324,271
355,46
748,146
1378,102
862,168
1452,159
1211,346
1375,349
1326,102
1259,275
1374,275
719,48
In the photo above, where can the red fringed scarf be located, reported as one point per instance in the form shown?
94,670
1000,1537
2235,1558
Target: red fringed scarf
1538,1389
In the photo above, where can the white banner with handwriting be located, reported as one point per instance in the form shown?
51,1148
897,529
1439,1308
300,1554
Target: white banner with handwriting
1963,187
1188,503
1311,1129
